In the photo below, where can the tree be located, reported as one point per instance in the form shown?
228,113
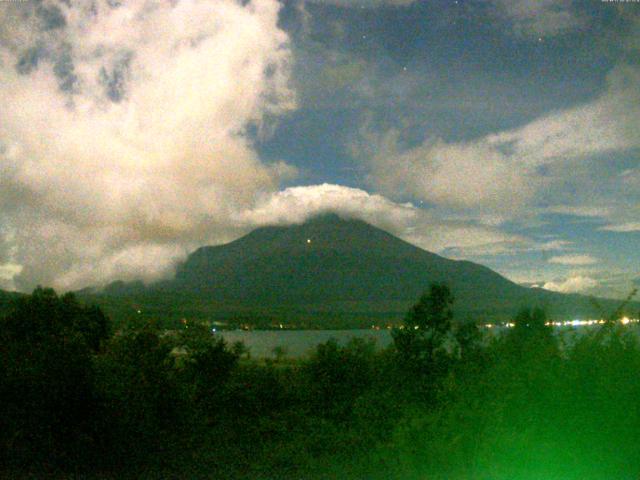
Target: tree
44,314
531,321
47,377
531,331
426,344
208,365
469,339
339,374
433,311
139,399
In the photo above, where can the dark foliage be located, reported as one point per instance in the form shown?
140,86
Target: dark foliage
427,345
444,402
47,379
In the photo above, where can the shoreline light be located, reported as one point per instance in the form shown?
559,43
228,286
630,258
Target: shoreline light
568,323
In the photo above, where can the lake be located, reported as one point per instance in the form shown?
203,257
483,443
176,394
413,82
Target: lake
298,343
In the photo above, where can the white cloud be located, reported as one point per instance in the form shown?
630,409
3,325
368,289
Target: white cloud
604,125
573,260
7,272
579,210
504,244
553,245
415,225
297,204
622,227
460,240
459,175
539,18
453,238
575,284
123,130
507,171
366,3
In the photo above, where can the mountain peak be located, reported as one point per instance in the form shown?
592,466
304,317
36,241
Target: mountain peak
324,232
324,260
331,265
324,220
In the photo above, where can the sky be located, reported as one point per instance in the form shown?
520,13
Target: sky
505,132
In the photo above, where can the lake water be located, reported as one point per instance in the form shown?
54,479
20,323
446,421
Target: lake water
298,343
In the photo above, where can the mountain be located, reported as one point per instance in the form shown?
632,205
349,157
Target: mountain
330,267
328,259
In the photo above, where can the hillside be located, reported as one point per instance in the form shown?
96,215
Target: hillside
334,270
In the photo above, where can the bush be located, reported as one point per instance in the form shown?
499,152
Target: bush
47,380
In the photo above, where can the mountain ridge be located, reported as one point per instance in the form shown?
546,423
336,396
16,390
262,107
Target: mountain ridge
330,265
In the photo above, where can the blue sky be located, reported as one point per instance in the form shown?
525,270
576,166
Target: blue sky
458,72
505,132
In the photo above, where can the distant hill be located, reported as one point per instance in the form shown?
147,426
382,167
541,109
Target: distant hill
337,268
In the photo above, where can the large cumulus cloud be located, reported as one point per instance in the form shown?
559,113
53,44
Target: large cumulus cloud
123,131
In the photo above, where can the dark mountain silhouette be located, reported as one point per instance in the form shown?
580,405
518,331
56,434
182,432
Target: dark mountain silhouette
328,259
334,266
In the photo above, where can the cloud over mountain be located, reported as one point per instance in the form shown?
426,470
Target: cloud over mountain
123,129
415,225
575,284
